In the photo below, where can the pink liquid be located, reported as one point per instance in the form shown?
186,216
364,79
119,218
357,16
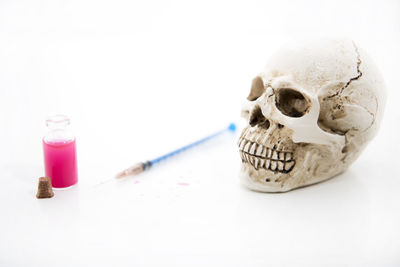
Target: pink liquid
60,162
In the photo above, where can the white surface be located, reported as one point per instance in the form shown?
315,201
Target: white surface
141,78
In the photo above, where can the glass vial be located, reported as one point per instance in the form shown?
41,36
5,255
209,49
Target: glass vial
60,153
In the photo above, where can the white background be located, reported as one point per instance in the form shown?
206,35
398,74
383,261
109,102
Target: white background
139,78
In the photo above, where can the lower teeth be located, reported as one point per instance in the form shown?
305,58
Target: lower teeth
268,164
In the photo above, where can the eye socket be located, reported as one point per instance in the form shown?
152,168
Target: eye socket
257,89
291,102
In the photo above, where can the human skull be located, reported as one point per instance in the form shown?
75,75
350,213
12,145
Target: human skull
310,114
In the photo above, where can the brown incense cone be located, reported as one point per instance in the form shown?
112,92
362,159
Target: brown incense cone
45,189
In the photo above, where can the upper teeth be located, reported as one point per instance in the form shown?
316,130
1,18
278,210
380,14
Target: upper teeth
253,149
259,150
260,156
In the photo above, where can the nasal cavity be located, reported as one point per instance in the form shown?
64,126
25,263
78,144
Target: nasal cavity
257,118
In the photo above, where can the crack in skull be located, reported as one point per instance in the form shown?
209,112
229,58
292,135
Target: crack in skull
359,74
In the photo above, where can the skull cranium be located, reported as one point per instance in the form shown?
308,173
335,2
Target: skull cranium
310,114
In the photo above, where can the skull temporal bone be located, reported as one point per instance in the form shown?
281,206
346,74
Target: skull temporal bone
310,113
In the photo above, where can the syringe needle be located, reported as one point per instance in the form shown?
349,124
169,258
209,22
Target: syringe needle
133,170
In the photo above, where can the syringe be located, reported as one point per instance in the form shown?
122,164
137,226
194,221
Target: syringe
144,166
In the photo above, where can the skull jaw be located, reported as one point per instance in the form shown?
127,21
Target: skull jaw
256,180
276,187
263,180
